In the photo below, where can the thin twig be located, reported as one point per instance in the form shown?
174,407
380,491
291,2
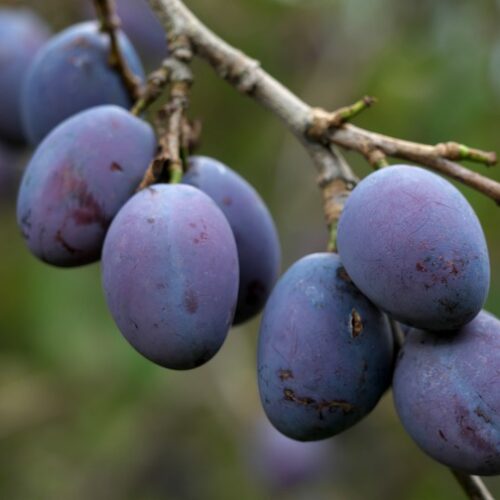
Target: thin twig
157,81
110,24
439,158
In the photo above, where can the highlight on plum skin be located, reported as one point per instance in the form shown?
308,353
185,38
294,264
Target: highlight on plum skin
77,180
170,275
414,246
447,394
22,34
325,354
257,240
72,73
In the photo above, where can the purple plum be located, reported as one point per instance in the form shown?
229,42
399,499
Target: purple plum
170,275
413,245
77,180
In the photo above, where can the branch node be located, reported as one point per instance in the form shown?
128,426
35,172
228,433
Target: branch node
457,152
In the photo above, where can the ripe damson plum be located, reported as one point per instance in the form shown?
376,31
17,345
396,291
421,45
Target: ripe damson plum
72,73
447,394
170,275
78,178
414,246
325,352
22,34
253,228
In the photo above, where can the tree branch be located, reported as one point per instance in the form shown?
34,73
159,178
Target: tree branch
246,75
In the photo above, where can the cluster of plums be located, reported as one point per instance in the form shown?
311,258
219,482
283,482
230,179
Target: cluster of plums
410,247
181,263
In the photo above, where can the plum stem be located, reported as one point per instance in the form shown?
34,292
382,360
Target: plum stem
473,486
175,133
110,24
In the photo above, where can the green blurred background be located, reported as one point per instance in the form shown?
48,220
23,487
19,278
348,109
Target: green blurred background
82,416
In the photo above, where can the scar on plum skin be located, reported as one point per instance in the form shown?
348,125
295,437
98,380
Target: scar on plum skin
482,415
285,374
356,324
319,406
441,435
115,167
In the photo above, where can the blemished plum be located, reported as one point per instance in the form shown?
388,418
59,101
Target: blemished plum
256,237
72,73
170,275
77,180
447,394
325,353
414,246
22,34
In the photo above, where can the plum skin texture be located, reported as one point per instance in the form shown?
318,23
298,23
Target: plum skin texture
413,245
257,240
77,180
22,34
170,275
325,353
72,73
447,394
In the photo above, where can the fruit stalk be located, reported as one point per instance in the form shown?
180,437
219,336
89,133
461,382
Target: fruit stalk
171,124
110,24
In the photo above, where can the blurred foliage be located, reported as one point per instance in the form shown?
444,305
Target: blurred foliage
83,416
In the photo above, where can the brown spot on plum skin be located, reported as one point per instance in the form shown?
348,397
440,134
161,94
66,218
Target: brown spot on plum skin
356,324
151,220
115,167
469,432
420,267
190,302
319,406
285,375
227,200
